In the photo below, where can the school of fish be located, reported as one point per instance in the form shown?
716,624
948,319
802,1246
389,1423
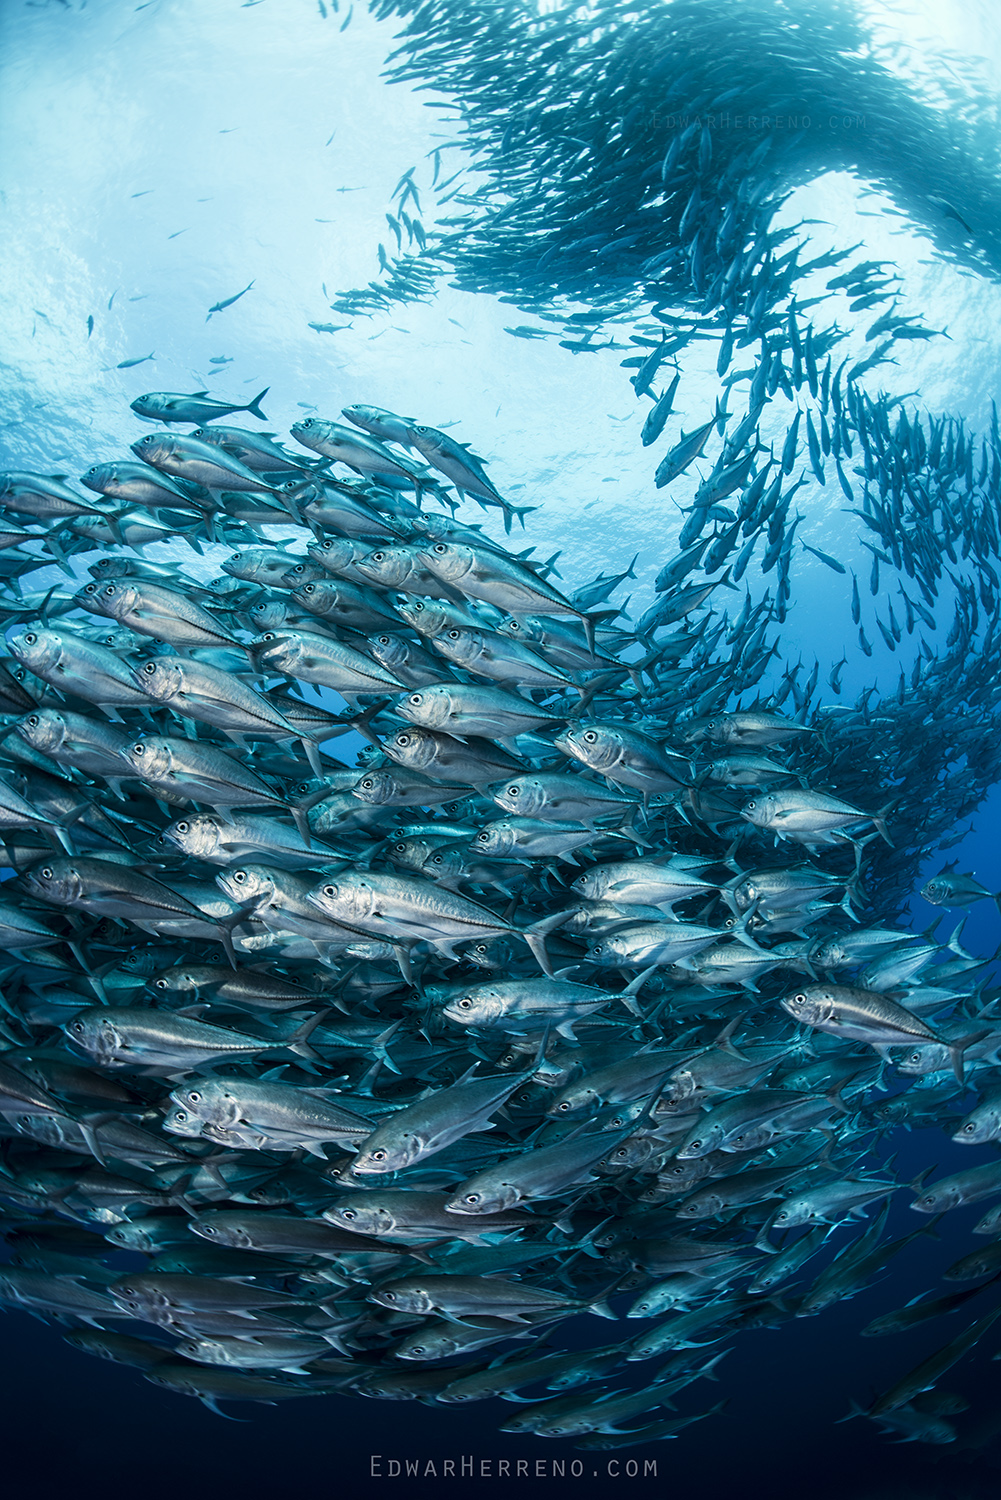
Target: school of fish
579,992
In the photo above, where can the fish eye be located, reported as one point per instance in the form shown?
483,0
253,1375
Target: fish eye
183,827
465,1004
330,890
150,668
367,782
389,1296
239,876
309,588
109,591
31,638
799,1000
350,1214
513,791
209,1230
590,736
969,1129
139,749
34,721
439,547
563,1107
751,806
377,556
76,1026
180,1114
697,1145
46,872
403,738
473,1198
383,640
418,1348
416,698
160,984
194,1096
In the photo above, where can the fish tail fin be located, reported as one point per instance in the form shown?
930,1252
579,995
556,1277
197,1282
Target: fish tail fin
537,944
957,1049
879,821
602,1310
724,1041
535,937
854,1410
313,756
210,1402
89,1129
918,1182
115,528
254,407
297,1042
630,1003
301,822
636,984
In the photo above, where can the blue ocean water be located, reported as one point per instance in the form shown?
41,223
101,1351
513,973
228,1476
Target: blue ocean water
159,159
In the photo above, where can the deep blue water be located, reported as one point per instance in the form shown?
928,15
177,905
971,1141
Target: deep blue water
157,159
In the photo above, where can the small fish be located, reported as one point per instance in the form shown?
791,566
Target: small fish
167,406
228,302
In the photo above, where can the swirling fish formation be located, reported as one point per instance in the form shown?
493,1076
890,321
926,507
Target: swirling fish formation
567,998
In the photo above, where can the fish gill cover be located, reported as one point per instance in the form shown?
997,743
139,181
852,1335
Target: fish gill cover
584,987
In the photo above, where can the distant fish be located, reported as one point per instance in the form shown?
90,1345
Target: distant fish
128,364
90,325
329,327
169,406
220,306
825,558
